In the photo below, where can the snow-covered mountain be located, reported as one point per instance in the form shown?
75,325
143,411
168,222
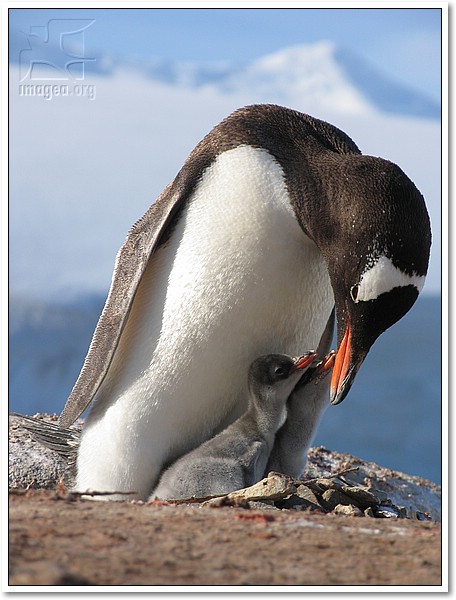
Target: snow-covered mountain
323,72
320,72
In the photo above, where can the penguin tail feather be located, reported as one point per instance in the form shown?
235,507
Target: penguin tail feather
63,440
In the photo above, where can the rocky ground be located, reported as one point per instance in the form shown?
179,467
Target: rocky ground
347,522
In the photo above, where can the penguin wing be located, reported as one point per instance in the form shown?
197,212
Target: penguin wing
131,262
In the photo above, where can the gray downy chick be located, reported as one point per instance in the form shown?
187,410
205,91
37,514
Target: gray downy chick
305,407
237,456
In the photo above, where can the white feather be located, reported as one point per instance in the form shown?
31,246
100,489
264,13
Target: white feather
382,277
238,278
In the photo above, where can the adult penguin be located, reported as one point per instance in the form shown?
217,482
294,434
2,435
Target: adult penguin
274,218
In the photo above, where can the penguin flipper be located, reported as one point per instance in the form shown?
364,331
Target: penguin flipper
131,262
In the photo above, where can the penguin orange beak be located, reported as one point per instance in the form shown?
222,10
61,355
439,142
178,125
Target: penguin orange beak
301,362
327,363
345,368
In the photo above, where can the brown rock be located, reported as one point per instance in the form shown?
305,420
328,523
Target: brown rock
331,498
362,496
303,499
349,510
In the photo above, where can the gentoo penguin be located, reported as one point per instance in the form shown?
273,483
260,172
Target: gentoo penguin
304,409
237,456
274,218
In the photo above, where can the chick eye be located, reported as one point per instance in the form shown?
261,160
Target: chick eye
279,371
354,291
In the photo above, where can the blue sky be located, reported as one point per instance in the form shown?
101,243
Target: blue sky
404,42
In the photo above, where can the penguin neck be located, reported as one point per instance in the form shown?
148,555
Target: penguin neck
266,421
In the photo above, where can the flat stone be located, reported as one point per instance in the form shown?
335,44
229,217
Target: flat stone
326,483
349,510
302,499
306,493
362,496
264,505
331,498
386,512
273,487
423,516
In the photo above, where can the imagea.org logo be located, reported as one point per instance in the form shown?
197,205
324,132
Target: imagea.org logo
50,91
55,53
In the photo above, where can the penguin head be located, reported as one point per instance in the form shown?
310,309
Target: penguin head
275,375
376,242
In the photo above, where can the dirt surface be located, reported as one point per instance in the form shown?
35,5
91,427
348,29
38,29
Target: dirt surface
299,539
55,541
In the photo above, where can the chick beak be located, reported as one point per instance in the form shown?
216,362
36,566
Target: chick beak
301,362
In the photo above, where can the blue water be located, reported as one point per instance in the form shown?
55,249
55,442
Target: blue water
392,415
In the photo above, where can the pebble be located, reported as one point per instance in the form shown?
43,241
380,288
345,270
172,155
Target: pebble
363,496
355,486
331,498
349,510
386,512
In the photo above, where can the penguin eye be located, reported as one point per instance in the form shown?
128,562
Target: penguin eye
354,292
279,371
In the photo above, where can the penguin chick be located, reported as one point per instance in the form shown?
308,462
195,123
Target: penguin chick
305,407
237,456
289,453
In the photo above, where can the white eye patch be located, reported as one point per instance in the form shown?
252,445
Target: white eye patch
383,277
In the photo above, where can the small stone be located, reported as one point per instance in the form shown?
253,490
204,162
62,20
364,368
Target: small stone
221,501
273,487
265,505
326,483
302,499
362,496
349,510
386,512
306,494
331,498
423,516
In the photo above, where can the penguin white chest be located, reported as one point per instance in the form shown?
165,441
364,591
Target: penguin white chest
237,278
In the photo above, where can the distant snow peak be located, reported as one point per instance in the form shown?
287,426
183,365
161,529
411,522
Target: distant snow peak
309,72
320,75
299,74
